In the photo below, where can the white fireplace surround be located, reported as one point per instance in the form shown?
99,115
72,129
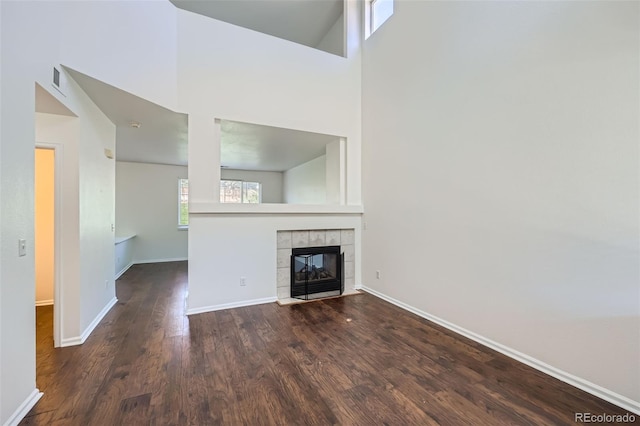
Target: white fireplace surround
288,239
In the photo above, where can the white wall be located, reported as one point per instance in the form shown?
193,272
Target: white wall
97,210
87,210
123,253
507,133
237,74
333,40
17,319
29,51
306,183
129,44
64,131
335,172
247,76
247,247
147,206
271,182
2,246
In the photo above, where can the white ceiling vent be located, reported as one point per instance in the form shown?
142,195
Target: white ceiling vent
56,77
59,81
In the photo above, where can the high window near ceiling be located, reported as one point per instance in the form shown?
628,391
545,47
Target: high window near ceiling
376,14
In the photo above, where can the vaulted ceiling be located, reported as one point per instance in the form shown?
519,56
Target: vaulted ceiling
162,135
301,21
149,133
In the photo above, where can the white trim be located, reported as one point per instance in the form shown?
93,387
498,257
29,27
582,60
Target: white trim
231,305
71,341
97,319
125,269
175,259
587,386
58,311
48,302
24,408
78,340
366,11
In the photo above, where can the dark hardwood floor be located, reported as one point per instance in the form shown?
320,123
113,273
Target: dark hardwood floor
351,361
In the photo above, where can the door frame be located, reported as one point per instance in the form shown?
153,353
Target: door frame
57,240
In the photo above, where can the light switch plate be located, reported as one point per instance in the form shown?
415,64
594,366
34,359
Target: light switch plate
22,247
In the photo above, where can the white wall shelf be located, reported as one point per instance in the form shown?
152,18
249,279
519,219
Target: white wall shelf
265,208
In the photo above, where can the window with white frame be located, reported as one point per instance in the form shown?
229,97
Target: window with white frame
231,191
238,191
183,203
377,12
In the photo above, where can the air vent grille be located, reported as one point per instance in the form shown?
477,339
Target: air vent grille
56,77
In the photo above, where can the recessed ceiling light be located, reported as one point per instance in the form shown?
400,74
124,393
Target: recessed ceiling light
134,124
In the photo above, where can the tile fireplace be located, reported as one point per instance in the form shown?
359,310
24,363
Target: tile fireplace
321,259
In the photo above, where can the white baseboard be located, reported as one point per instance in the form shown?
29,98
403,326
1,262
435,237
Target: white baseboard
204,309
87,332
44,302
119,274
175,259
24,408
78,340
587,386
71,341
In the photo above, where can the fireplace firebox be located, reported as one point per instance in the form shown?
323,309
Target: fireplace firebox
316,270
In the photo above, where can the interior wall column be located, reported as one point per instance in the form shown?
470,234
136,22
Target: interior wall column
336,172
204,159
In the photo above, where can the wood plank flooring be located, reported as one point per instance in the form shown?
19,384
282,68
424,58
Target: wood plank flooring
349,361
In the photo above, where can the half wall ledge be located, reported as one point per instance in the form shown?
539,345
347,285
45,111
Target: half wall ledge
196,207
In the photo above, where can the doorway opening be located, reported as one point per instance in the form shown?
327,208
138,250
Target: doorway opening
54,127
46,249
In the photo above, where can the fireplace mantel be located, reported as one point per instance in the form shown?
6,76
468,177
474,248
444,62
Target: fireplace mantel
196,207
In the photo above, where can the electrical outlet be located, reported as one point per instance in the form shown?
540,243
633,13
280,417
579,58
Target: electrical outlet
378,275
243,281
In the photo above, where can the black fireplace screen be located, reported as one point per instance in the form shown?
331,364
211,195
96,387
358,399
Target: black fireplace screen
316,270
